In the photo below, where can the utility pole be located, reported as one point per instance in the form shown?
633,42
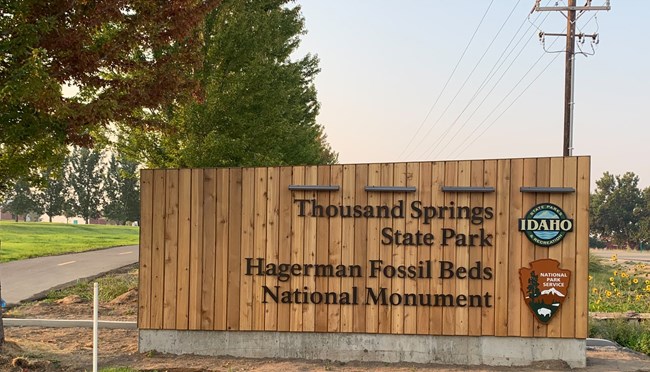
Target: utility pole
570,9
569,64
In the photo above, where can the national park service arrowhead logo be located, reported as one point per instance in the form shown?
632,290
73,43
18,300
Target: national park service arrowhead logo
544,287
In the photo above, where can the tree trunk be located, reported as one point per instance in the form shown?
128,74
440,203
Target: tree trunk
50,217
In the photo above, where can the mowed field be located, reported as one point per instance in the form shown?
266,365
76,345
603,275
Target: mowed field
20,240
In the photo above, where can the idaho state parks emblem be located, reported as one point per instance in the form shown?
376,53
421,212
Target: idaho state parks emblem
544,287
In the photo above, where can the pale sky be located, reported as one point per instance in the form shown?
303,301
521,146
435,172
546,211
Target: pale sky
385,63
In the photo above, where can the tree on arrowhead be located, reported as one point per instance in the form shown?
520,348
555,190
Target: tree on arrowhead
533,287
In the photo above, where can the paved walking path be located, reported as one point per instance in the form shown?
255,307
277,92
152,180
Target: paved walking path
623,255
26,279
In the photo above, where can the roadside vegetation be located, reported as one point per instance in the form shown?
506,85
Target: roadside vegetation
629,333
620,287
110,286
27,240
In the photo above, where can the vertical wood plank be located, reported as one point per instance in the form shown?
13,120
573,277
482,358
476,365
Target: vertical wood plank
285,247
158,251
196,250
184,251
489,255
424,251
449,249
322,248
360,247
347,244
501,248
171,248
567,311
411,252
297,243
146,226
334,284
373,231
260,231
222,248
475,253
514,247
247,247
309,253
438,170
399,256
209,254
464,178
543,180
234,247
582,247
527,247
272,244
554,328
385,250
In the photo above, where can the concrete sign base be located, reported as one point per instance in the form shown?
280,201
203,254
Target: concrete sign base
346,347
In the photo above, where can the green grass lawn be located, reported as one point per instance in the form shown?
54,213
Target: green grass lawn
19,240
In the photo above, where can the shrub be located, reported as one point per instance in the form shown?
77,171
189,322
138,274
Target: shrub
596,243
631,334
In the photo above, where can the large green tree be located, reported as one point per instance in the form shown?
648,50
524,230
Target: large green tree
52,196
21,200
85,179
122,191
259,105
613,207
125,58
643,213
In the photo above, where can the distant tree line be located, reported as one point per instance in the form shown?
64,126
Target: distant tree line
83,185
619,212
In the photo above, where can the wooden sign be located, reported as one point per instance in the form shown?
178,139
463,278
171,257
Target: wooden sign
430,248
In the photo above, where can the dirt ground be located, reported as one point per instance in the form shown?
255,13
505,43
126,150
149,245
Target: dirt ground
70,349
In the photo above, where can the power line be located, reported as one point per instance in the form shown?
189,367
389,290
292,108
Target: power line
447,82
469,76
475,130
500,61
488,94
510,105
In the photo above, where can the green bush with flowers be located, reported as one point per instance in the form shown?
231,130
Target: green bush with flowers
620,288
